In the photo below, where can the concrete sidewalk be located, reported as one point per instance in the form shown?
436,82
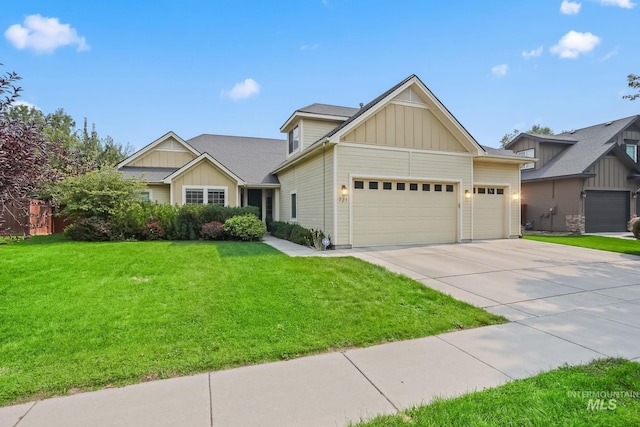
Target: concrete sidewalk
567,305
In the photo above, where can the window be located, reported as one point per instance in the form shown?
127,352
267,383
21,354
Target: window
632,151
373,185
400,186
426,187
531,153
482,190
145,196
437,187
294,205
386,186
294,139
205,195
358,185
194,196
499,190
491,191
413,187
449,188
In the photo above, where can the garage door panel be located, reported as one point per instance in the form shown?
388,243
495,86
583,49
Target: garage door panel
489,219
403,216
606,211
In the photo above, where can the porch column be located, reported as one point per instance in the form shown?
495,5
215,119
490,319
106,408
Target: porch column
264,205
276,204
245,196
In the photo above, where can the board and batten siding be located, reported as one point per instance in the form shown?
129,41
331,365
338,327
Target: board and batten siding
160,193
487,173
406,127
204,174
611,174
544,151
312,180
168,154
355,160
313,130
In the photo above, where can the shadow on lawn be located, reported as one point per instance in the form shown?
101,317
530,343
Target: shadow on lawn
228,249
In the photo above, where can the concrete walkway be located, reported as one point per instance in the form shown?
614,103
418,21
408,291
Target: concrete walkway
566,305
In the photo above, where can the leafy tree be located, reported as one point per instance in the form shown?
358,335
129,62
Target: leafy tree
633,81
25,151
535,129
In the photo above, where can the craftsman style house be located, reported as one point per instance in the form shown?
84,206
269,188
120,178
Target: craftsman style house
398,170
585,180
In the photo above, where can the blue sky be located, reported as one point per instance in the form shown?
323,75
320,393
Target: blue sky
138,69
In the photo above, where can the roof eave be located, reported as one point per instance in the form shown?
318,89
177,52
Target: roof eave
523,178
303,155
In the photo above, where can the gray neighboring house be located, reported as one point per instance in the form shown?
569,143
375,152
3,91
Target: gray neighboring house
585,180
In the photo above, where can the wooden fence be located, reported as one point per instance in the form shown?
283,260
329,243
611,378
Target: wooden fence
27,218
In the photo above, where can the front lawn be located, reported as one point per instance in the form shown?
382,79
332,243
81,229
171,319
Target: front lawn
78,316
603,393
611,244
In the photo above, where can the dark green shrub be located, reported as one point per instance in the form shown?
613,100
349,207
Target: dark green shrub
296,233
186,223
300,235
212,230
221,214
636,229
90,230
245,227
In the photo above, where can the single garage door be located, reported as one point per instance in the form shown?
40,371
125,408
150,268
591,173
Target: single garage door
606,211
489,220
402,212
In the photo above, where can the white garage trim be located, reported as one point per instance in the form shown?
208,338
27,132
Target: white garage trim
408,179
508,200
402,149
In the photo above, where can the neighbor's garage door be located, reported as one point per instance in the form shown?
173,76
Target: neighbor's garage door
606,211
489,220
404,212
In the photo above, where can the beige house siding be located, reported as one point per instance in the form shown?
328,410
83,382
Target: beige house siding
204,174
354,161
160,193
164,159
611,174
406,127
561,195
505,176
313,130
312,181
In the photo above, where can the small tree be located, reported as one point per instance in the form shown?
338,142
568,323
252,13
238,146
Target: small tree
633,81
535,129
103,194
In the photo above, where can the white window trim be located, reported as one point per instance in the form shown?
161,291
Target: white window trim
635,146
529,152
148,190
299,148
205,189
291,217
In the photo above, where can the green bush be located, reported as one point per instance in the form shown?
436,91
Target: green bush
221,214
636,229
186,223
245,227
297,234
90,230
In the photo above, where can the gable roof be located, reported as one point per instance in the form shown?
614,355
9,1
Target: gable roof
322,112
154,144
203,157
591,144
251,159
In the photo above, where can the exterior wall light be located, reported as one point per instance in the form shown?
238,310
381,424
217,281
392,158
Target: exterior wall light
515,196
467,194
634,195
344,190
583,195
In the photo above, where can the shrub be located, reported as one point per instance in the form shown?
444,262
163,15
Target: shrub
300,235
153,231
636,229
245,227
90,230
297,234
212,230
221,214
186,223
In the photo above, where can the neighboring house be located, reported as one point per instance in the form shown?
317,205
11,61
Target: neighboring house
585,180
399,170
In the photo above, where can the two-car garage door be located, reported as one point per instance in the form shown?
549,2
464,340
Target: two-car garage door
389,212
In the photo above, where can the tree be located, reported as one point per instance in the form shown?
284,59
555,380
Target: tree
633,81
25,151
535,129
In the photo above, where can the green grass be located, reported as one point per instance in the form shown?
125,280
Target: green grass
79,316
556,398
611,244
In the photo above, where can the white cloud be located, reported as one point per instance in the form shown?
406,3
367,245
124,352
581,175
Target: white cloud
44,35
534,53
570,7
242,90
309,46
500,70
609,55
625,4
25,103
572,44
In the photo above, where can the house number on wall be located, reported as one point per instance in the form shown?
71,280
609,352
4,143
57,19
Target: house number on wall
343,199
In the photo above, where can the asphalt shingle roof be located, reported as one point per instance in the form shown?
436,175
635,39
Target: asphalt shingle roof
329,110
251,159
592,143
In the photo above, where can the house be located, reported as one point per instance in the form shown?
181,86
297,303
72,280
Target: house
398,170
585,180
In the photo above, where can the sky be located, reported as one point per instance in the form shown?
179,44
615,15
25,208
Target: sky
139,69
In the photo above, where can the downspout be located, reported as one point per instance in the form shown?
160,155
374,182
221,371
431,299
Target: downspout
324,188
